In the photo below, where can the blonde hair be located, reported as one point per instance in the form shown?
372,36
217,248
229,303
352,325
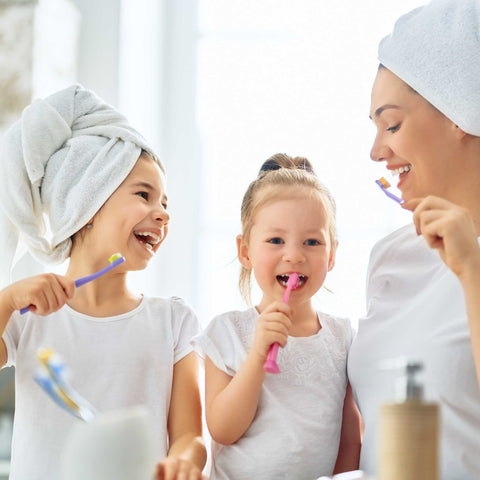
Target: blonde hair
281,170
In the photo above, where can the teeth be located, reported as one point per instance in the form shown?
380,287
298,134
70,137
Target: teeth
400,170
152,239
283,279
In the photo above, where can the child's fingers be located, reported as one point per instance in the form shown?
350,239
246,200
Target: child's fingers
43,294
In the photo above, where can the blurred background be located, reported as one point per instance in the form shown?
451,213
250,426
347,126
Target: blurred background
217,86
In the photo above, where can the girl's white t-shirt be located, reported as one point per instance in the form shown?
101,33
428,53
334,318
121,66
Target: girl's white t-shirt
296,430
115,362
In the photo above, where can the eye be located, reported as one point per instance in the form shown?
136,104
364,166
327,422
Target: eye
311,242
143,195
393,129
275,241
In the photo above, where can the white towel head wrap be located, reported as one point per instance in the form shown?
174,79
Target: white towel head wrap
436,50
64,158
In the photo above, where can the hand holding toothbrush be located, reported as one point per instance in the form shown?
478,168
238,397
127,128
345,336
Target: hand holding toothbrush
45,293
271,363
57,300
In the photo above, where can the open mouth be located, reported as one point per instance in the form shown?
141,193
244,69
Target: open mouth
400,170
283,279
148,239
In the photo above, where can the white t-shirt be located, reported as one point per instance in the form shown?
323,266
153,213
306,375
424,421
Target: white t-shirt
116,362
296,430
416,309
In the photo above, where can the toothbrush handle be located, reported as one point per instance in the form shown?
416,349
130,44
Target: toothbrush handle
82,281
270,365
272,353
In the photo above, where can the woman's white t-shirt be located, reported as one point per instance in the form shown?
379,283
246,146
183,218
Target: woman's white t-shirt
416,310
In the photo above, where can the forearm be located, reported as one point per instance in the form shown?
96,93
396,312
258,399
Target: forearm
190,447
348,458
232,411
470,281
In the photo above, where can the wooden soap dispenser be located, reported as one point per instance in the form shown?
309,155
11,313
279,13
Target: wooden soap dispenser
409,431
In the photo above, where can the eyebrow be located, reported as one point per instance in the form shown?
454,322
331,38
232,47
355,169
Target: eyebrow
379,110
148,186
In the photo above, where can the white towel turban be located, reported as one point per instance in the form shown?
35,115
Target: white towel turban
436,50
65,156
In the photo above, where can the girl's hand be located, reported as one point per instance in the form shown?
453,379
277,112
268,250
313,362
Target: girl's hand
449,229
174,468
44,294
272,326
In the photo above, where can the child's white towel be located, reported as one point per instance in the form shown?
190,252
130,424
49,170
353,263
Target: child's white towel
436,50
64,157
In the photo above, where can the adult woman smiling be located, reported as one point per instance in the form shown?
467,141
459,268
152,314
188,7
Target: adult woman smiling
423,280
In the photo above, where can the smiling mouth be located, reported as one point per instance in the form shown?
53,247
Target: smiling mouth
148,239
283,279
400,170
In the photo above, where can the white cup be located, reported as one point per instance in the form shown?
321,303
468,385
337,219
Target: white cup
115,446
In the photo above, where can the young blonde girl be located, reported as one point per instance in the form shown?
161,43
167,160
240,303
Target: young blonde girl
301,423
77,160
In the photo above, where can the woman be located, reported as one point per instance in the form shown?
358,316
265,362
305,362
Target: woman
426,108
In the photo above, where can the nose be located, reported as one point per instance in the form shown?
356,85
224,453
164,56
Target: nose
161,215
293,254
380,150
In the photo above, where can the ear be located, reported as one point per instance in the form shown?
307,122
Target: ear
331,260
242,252
459,133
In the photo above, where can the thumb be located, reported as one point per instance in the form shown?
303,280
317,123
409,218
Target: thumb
411,204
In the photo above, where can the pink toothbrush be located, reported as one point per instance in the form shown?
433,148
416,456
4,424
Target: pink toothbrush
115,260
270,365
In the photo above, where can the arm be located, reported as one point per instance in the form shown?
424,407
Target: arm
348,457
187,453
451,231
44,294
240,394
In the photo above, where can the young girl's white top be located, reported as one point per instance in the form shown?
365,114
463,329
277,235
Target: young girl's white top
116,362
296,430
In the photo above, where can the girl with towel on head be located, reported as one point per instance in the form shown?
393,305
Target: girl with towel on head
78,161
424,279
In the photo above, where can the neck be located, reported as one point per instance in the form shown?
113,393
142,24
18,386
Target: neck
106,296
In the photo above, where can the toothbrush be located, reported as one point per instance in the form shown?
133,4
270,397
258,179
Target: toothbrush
383,184
52,378
115,260
270,365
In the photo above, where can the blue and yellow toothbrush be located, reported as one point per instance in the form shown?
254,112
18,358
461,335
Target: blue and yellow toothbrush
52,378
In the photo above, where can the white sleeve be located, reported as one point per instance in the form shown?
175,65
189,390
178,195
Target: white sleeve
184,327
219,343
11,336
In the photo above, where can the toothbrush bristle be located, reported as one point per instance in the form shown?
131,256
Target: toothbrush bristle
384,182
114,257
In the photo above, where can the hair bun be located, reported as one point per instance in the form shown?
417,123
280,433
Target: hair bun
282,160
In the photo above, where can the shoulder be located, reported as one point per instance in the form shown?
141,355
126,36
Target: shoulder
405,234
239,322
173,305
339,327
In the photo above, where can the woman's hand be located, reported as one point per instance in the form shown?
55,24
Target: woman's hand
174,468
449,229
44,294
272,326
